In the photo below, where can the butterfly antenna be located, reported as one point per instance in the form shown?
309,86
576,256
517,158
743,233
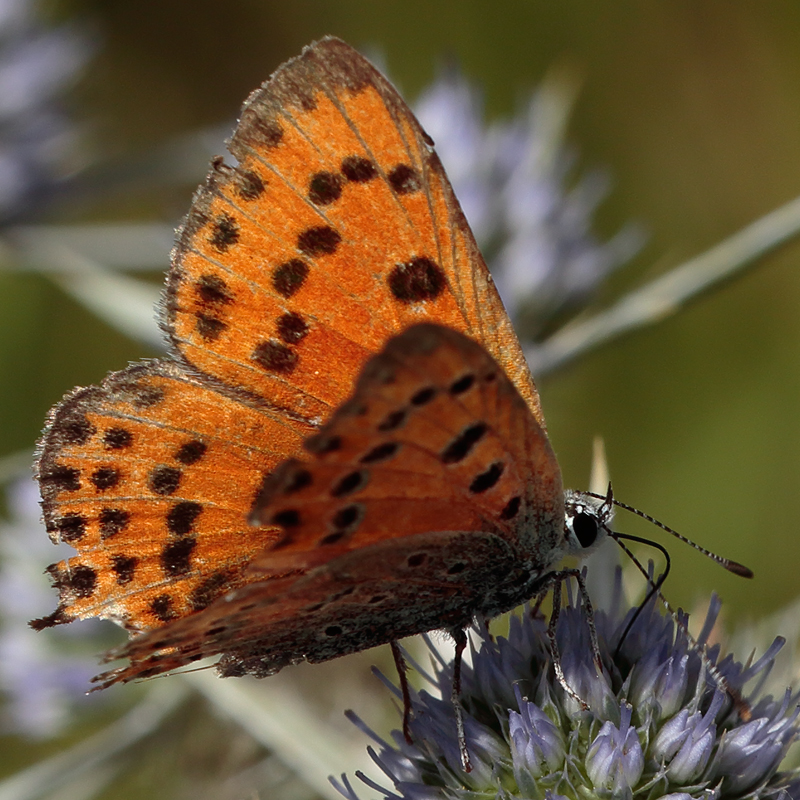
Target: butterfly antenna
742,706
732,566
655,586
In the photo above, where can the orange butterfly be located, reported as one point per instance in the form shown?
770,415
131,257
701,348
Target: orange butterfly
333,254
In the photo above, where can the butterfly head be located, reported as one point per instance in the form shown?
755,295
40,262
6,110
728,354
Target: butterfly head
587,521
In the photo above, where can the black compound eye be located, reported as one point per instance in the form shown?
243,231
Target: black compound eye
585,527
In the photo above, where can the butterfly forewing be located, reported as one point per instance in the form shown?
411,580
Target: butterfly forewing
337,229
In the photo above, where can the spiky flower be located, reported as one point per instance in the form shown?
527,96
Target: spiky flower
658,723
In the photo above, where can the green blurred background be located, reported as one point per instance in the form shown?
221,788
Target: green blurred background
694,107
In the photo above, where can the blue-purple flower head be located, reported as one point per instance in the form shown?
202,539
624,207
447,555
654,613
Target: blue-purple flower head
659,724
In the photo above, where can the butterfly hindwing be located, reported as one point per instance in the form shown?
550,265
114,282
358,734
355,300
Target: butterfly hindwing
125,480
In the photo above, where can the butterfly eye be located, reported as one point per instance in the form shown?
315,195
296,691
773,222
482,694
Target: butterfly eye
585,528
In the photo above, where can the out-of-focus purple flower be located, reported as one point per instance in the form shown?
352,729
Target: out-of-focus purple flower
658,725
43,676
450,111
513,182
37,139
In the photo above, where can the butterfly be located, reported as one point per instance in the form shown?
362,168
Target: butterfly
345,446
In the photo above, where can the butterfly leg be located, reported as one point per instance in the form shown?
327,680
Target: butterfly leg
461,642
554,651
587,604
555,581
402,672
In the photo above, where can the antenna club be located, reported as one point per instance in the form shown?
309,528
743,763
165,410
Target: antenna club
732,566
738,569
